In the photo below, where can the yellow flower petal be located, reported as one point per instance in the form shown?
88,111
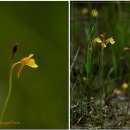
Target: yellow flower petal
25,61
110,40
97,40
103,45
32,63
31,55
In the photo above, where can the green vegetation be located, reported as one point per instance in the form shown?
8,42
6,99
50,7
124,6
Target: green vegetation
100,64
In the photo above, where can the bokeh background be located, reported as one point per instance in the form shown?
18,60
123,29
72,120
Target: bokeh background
39,97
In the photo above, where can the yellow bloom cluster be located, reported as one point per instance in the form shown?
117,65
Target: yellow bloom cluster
123,90
103,42
93,12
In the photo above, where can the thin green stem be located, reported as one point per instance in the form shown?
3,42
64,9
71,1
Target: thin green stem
102,86
8,96
72,65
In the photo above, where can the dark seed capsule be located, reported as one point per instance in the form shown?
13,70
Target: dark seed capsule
14,48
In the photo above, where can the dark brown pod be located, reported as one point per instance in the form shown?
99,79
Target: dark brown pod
14,48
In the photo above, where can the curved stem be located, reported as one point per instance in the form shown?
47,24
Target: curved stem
8,96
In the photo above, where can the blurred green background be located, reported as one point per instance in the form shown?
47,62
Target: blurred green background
39,97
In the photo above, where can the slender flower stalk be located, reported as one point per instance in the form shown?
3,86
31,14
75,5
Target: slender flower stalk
101,85
103,43
8,96
24,61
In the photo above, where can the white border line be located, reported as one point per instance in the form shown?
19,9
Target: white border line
38,0
69,64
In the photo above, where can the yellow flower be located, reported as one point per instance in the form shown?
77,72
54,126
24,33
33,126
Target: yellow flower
85,79
103,45
103,42
117,91
110,40
94,13
125,85
84,11
97,40
103,34
25,61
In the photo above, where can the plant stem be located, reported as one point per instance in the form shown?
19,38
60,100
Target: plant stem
102,86
8,96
